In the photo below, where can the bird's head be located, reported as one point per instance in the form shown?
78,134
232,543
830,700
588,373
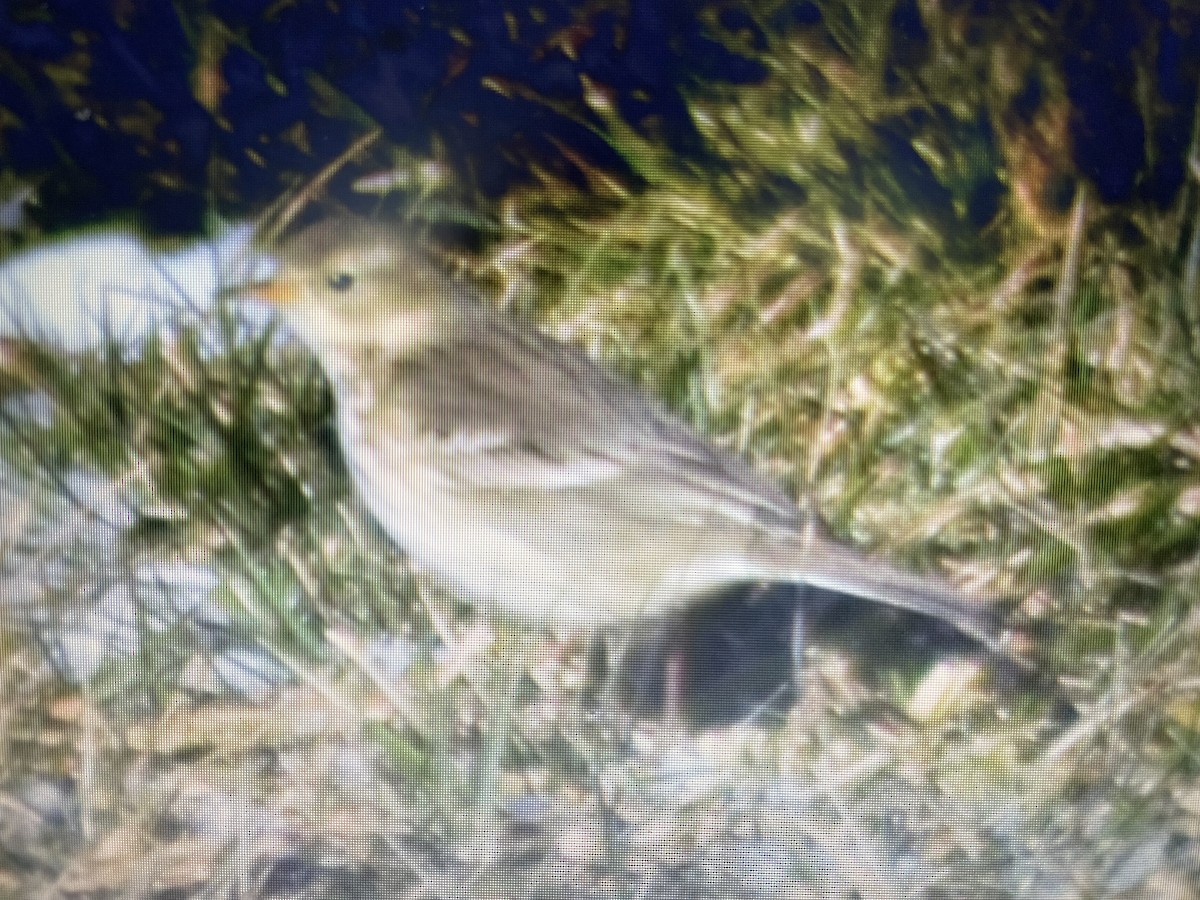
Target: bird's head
346,283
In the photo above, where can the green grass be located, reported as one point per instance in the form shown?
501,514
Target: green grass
1014,402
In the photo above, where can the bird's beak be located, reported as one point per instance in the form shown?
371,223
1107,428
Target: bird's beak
273,291
260,280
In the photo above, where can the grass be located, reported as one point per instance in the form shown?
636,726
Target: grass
222,680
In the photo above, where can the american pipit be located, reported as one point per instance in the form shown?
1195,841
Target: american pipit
521,473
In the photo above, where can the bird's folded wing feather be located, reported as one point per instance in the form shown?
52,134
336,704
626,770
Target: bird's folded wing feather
508,409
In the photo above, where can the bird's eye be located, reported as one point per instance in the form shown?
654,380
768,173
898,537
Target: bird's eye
340,281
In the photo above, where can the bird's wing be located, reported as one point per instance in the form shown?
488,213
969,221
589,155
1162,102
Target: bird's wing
509,409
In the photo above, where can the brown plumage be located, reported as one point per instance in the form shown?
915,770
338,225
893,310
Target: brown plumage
521,473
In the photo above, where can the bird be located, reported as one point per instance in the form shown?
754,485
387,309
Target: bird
522,474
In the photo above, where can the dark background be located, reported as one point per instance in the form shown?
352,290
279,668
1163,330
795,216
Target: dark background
175,109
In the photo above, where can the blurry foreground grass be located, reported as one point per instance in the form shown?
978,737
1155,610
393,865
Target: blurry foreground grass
220,680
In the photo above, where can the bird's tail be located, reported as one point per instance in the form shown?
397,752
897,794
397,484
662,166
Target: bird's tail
825,563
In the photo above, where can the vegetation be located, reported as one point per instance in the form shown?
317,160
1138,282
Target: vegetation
882,279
